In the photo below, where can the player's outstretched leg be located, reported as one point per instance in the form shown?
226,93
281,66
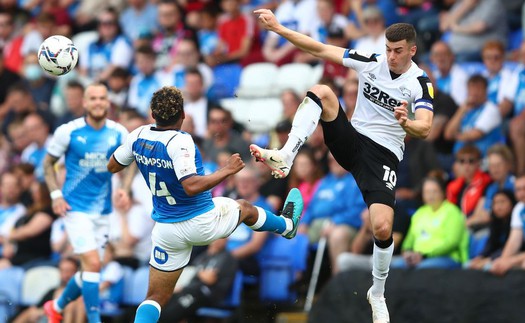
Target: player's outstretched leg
53,308
304,123
286,224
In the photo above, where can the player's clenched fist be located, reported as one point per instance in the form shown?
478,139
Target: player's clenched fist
235,163
267,18
401,113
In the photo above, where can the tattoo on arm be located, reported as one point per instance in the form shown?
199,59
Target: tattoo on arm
50,173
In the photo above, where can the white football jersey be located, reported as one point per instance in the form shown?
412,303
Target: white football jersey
379,93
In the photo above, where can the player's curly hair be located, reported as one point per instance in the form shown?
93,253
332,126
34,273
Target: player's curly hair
167,105
401,31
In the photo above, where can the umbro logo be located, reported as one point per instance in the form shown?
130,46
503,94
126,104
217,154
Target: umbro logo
82,139
390,186
372,76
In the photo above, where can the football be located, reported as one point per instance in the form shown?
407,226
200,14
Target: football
57,55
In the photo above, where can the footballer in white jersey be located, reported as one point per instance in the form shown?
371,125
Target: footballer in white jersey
394,99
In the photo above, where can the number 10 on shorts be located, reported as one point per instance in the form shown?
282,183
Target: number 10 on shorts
389,177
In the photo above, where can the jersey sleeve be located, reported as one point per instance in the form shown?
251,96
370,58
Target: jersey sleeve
358,60
424,97
515,220
60,141
124,153
182,152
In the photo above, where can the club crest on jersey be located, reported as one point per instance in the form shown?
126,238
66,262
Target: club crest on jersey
379,97
406,92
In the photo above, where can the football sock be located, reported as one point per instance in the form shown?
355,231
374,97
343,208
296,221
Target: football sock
90,285
267,221
381,258
70,293
147,312
304,123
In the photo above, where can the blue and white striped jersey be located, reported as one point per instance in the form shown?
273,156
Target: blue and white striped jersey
87,187
166,158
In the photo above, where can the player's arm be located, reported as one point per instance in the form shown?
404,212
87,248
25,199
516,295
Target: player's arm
114,166
197,184
303,42
60,206
420,126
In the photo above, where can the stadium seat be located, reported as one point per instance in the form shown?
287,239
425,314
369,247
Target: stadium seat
257,80
136,292
10,290
227,309
37,282
226,78
514,39
280,262
257,115
297,76
83,39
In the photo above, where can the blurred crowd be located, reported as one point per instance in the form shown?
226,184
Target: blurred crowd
460,193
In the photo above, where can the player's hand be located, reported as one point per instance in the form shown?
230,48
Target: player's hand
267,19
122,200
401,113
60,206
234,163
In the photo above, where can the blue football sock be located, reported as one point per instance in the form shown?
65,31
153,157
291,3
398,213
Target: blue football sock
267,221
148,312
70,293
90,292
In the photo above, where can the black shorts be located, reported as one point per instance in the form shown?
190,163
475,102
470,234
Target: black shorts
373,166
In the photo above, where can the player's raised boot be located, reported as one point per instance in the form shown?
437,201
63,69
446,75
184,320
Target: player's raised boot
273,159
379,309
52,315
293,207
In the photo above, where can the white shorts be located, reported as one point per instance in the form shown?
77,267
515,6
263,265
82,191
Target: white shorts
87,232
172,242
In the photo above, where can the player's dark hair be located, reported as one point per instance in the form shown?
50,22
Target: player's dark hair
478,79
401,31
167,106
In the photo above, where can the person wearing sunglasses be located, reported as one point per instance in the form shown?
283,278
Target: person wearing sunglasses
470,182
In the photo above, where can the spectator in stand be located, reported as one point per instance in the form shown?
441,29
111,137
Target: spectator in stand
215,273
334,211
471,23
111,286
296,15
187,56
36,80
305,175
43,27
207,33
37,131
27,244
195,101
18,140
222,136
500,163
109,51
171,32
513,106
87,12
445,109
139,18
146,81
10,207
493,55
513,255
467,189
25,173
360,253
244,243
499,229
437,236
74,108
450,78
6,77
10,44
373,40
118,90
236,32
67,267
387,7
349,96
477,121
59,10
